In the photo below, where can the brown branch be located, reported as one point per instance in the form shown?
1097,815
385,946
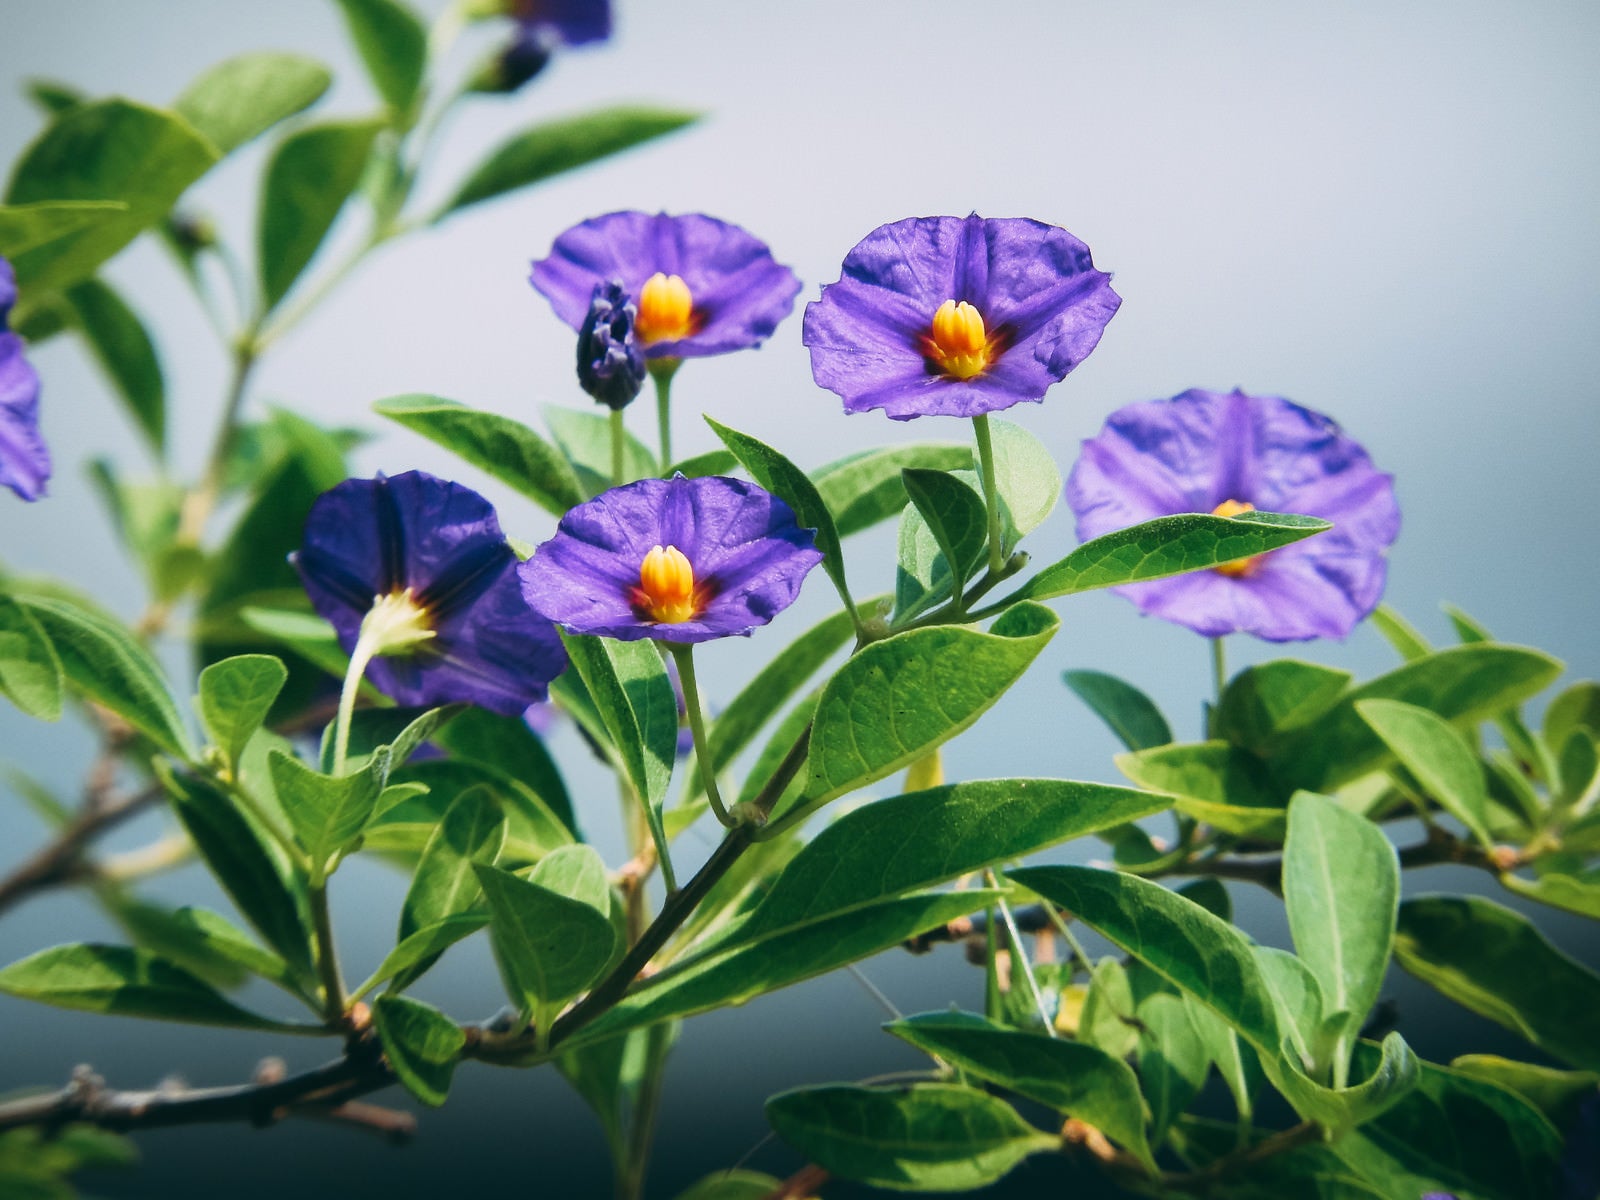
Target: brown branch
62,860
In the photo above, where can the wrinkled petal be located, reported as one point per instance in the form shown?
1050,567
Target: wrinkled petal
746,550
740,293
1193,452
1042,302
24,458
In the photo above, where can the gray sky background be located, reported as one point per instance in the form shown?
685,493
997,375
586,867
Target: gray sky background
1384,212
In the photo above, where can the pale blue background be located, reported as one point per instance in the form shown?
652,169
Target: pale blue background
1383,212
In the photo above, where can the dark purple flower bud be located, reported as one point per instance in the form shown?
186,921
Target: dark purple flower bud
24,459
610,363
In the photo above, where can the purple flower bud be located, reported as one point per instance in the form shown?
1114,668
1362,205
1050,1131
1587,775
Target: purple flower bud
610,364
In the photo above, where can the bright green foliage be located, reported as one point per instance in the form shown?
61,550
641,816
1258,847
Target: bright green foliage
1262,703
416,953
422,1044
1214,782
926,1138
327,813
24,226
238,100
393,44
30,671
473,831
549,946
506,744
236,695
954,517
1439,758
585,438
1025,476
506,449
863,489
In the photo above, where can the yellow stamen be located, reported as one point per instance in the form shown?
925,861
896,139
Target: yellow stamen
666,310
667,591
957,342
396,624
1245,566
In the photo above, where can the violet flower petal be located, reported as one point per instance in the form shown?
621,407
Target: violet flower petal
24,458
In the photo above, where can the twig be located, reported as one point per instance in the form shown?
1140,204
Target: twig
61,861
801,1184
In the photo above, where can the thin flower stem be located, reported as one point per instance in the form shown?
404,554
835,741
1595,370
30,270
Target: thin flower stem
618,471
198,504
991,493
1020,956
1065,930
664,415
1219,667
359,658
324,288
684,657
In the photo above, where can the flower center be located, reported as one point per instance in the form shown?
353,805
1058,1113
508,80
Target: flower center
1245,566
666,310
957,342
667,592
396,624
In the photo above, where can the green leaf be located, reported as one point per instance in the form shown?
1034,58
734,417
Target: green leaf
1025,477
30,671
510,747
634,697
712,462
899,698
865,488
1342,1109
122,981
238,100
955,517
123,348
25,226
549,946
791,485
236,695
1214,782
732,1184
422,1045
532,830
311,174
926,1138
1071,1077
1263,702
473,830
305,633
1166,546
1107,1017
326,812
1559,891
585,438
1462,684
415,954
1234,1060
922,576
105,662
109,150
507,450
1496,963
1343,933
1578,707
1172,1059
393,43
1556,1094
202,942
718,979
1193,950
561,145
1440,758
1401,634
265,890
894,847
1301,1008
1127,711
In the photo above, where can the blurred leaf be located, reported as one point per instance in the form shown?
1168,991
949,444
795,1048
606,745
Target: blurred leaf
123,348
1195,951
1233,1058
549,946
239,99
1026,478
108,150
1438,756
311,174
928,1137
712,462
202,942
1127,711
532,830
508,450
25,226
122,981
955,517
564,144
866,488
235,696
1577,766
106,662
1173,1062
790,484
30,671
1401,634
1556,1094
421,1043
53,97
1070,1077
508,745
899,698
393,43
1215,782
1166,546
1107,1018
1559,891
1343,933
1496,963
1262,702
732,1184
585,438
1577,707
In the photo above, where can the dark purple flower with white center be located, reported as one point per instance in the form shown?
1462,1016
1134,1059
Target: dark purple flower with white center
679,560
418,565
24,459
610,364
700,286
1227,453
956,317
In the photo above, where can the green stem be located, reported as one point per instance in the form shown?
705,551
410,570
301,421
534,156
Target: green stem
642,1135
618,471
663,380
327,959
991,493
1219,667
198,504
684,656
324,288
1020,956
359,658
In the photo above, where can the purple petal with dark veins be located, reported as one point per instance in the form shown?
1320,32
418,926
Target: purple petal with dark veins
24,458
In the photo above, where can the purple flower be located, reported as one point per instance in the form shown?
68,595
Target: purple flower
680,560
610,366
700,285
562,22
421,562
945,316
1228,453
24,459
